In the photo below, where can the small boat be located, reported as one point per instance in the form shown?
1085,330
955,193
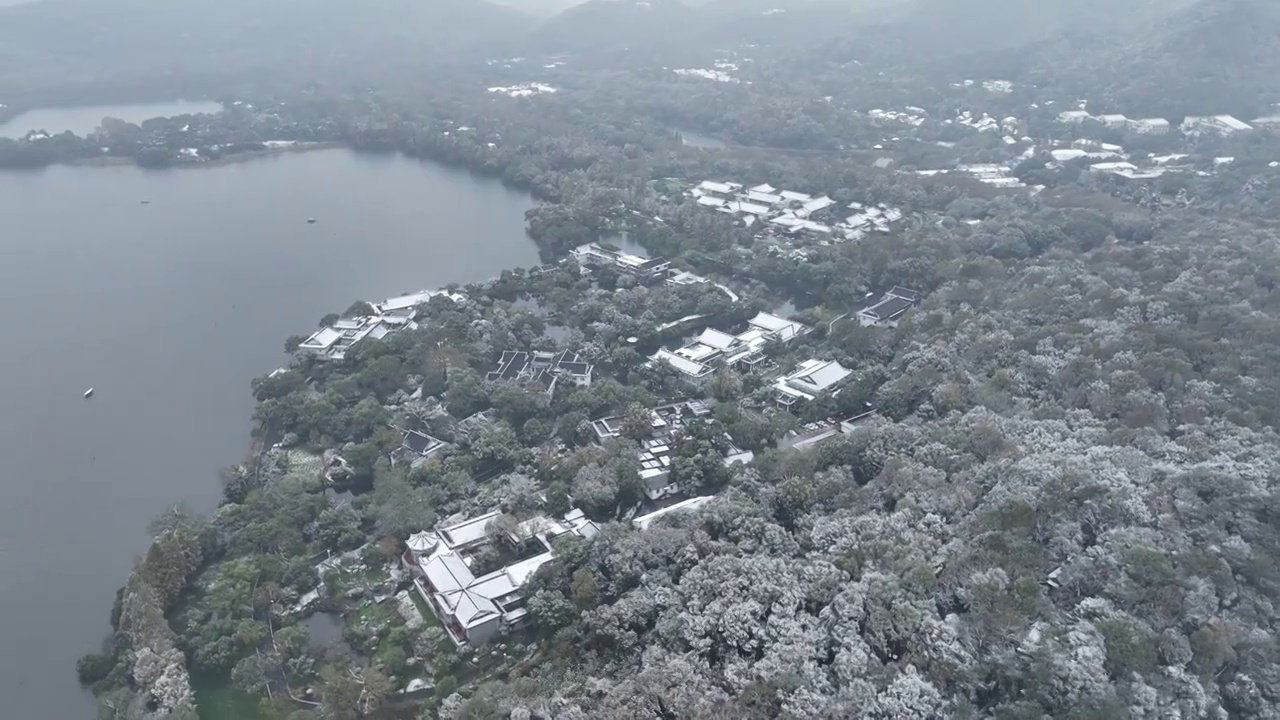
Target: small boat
146,202
88,393
311,221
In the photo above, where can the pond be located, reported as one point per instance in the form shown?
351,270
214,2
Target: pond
622,241
84,120
325,630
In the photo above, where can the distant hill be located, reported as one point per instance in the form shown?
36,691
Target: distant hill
1217,56
602,25
1201,57
85,43
926,30
793,22
539,8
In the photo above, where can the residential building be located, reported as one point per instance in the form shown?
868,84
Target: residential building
718,188
1269,121
815,205
475,608
335,341
811,434
1074,116
865,219
777,327
1063,155
542,370
667,423
698,359
762,198
1113,167
641,268
890,309
809,380
793,224
1150,126
742,207
417,446
406,306
1113,120
1220,124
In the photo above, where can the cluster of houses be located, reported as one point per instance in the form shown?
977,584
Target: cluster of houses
542,371
666,424
792,212
1191,125
698,360
390,316
642,269
472,574
474,608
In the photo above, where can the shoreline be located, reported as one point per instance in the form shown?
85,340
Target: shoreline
220,162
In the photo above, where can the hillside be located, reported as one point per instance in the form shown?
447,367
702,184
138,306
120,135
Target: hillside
609,25
928,31
1218,56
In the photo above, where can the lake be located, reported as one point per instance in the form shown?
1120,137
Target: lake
84,120
169,309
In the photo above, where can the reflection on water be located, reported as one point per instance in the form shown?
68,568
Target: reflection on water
325,629
623,242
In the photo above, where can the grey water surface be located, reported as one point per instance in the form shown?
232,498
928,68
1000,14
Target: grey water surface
169,309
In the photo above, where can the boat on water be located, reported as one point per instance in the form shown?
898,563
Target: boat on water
88,393
146,202
311,221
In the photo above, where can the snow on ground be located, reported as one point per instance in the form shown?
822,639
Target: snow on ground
717,75
524,89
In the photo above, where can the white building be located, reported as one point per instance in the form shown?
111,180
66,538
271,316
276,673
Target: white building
641,268
718,188
474,609
335,341
1113,167
1073,116
1150,126
809,380
1220,124
1067,154
814,205
406,306
698,359
866,219
1115,120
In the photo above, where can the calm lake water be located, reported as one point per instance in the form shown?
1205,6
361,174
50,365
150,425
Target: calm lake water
168,310
84,120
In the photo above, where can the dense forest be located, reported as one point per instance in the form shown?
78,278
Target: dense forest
1063,505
